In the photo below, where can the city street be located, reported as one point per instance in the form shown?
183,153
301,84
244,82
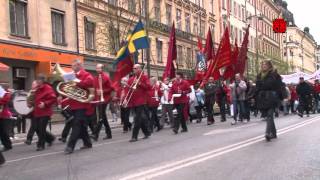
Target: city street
220,151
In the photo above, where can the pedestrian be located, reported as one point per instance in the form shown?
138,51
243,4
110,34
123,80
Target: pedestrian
179,91
316,90
43,100
304,91
199,101
5,116
139,84
286,99
166,105
154,95
293,99
210,90
268,95
238,89
103,90
222,98
78,110
65,111
251,99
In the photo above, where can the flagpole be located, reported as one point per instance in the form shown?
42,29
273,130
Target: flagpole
147,32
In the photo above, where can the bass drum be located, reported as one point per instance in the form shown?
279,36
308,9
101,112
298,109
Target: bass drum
19,103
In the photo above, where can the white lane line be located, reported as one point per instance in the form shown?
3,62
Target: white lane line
170,167
219,131
58,152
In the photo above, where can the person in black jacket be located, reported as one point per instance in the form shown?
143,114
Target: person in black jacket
268,95
304,91
210,89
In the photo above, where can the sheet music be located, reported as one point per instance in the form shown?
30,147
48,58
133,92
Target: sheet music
2,92
70,77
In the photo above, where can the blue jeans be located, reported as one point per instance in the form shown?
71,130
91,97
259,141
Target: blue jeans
239,110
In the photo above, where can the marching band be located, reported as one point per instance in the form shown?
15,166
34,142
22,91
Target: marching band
83,102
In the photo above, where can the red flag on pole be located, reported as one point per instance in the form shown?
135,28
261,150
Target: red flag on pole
242,58
222,58
230,70
172,55
208,49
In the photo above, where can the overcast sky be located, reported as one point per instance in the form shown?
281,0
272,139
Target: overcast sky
306,13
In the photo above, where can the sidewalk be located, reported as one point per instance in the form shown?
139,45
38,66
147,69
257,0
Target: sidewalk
56,129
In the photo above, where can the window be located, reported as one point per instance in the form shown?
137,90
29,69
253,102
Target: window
212,6
232,33
58,34
202,28
223,2
195,25
143,11
159,50
132,5
235,9
178,17
239,12
189,58
90,28
113,2
18,18
187,18
157,12
168,14
179,55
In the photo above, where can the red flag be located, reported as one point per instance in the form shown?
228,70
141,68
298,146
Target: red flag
200,44
172,55
230,70
124,67
208,49
222,58
242,58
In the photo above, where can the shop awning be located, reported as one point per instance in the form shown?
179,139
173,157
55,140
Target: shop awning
4,67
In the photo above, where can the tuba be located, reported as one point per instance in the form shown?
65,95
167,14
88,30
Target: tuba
70,89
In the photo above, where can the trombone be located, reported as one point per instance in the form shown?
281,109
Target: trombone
132,88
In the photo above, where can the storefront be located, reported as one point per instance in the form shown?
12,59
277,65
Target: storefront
25,62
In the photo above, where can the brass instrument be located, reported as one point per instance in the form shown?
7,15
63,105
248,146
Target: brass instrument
132,88
30,98
101,89
70,89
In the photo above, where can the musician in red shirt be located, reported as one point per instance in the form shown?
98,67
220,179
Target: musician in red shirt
44,99
316,90
124,111
102,93
138,102
154,95
5,115
180,89
78,110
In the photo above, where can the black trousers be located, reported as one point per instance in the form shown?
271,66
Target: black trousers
247,110
2,160
140,121
66,129
125,115
199,112
103,120
304,105
222,107
40,125
31,131
79,129
209,106
21,124
180,120
270,128
4,133
154,120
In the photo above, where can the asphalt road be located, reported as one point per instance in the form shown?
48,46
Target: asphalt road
219,152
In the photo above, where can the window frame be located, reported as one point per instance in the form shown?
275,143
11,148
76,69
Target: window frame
62,14
86,22
25,15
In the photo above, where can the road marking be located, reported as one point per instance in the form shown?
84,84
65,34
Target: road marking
173,166
220,131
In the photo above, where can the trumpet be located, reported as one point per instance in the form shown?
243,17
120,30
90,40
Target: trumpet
132,88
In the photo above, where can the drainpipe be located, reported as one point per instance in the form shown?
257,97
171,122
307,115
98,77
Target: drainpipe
76,16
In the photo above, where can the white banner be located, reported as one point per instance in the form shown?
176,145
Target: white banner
294,78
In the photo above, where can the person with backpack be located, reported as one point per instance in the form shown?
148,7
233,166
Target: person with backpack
304,91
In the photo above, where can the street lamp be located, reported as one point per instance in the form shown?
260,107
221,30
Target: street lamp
259,17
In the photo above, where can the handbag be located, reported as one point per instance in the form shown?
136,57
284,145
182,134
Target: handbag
267,99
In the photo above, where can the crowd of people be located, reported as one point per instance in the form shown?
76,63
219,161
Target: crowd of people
144,97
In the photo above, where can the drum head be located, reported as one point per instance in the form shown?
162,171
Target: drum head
20,103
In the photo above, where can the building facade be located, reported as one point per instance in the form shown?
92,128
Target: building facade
318,57
103,25
34,35
300,50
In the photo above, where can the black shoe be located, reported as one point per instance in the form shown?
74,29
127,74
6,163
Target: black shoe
184,130
198,121
145,137
68,150
51,142
94,137
133,140
27,142
159,128
62,140
40,149
2,161
300,114
85,147
175,131
107,137
268,138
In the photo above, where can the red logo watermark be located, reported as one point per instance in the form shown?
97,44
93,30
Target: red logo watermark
279,25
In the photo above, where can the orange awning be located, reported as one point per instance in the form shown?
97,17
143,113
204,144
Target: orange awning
4,67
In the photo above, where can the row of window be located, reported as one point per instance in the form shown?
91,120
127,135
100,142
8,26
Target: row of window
19,22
